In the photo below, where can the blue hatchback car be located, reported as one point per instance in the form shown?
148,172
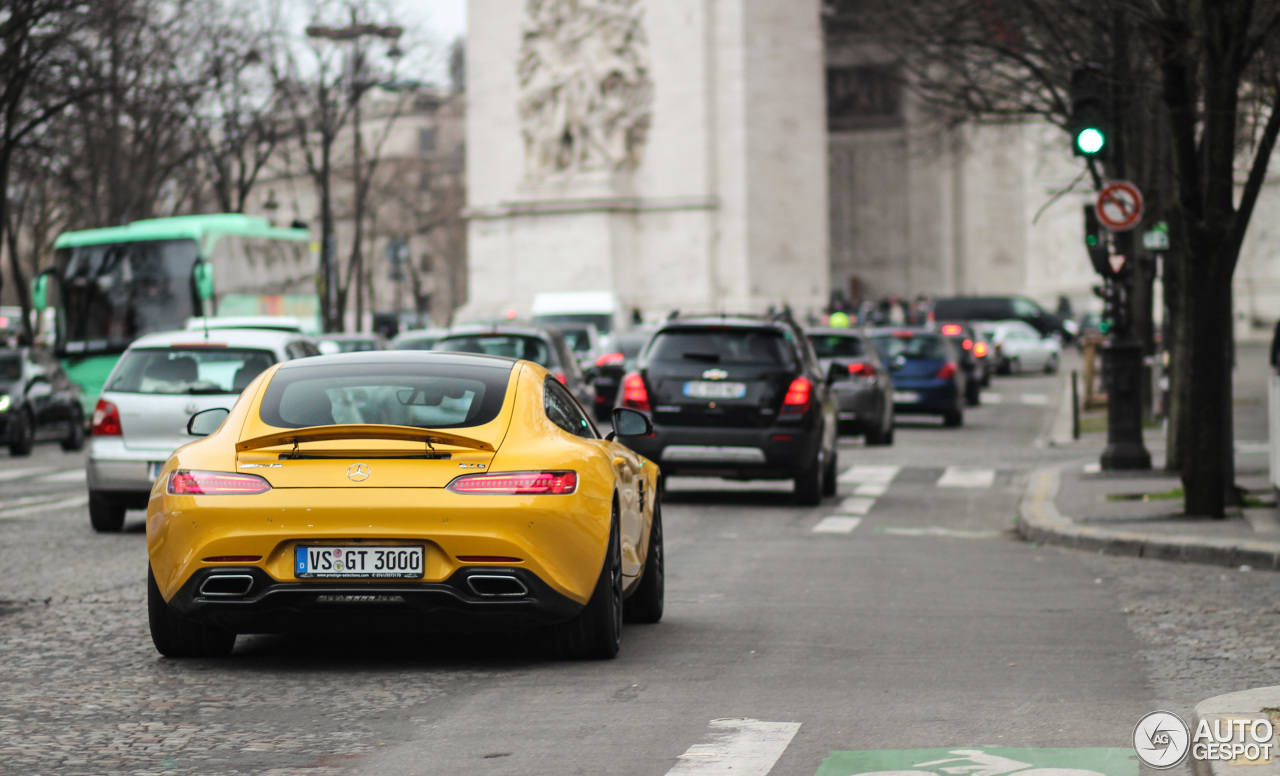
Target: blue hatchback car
925,370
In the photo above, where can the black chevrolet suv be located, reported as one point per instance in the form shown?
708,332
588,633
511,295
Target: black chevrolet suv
738,397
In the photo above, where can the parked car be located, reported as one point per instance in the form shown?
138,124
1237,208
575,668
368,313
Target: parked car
610,368
358,342
965,338
418,339
1001,308
1021,348
542,346
737,397
280,521
159,382
37,402
860,381
927,378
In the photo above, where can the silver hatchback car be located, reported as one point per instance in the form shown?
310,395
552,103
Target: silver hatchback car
161,381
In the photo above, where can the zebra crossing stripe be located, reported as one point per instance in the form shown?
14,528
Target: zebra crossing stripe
66,503
992,398
737,747
1035,399
837,524
877,474
871,489
967,477
70,475
856,505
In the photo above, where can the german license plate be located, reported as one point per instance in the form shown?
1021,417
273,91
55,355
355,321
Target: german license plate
906,397
153,469
357,562
704,390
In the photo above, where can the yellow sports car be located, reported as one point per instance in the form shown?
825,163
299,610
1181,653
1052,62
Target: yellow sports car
400,491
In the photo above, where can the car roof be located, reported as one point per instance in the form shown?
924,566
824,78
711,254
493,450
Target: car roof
257,338
438,357
734,321
883,331
436,332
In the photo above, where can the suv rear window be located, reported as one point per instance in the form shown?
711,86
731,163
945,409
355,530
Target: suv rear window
510,345
923,347
396,394
189,370
837,346
722,346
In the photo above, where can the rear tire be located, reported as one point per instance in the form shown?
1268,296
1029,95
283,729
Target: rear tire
645,604
972,392
596,631
808,490
74,440
176,636
829,476
105,515
953,418
1051,366
22,434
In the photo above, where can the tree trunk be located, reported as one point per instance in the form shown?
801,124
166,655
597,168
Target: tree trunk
1203,475
1177,343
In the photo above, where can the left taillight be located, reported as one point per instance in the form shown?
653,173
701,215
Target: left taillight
799,394
184,482
106,419
516,483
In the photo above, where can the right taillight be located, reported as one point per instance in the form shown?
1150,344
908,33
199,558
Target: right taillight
980,349
864,371
106,419
634,395
516,483
947,371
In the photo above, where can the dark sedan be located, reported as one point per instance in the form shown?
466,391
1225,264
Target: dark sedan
37,402
611,367
927,379
859,381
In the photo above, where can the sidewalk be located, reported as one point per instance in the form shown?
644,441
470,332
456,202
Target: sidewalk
1140,513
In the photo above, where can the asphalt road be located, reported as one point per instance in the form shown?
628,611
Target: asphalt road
911,619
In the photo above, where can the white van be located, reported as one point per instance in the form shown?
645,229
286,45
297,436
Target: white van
602,309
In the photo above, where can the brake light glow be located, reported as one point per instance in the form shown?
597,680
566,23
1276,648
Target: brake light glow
951,329
798,396
560,376
106,419
980,349
516,483
184,482
610,358
865,371
634,394
947,371
904,335
967,344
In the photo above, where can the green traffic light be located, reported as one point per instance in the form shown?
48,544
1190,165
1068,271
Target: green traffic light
1104,326
1091,240
1090,140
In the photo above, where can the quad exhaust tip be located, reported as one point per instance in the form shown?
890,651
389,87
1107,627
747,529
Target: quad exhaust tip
496,586
226,585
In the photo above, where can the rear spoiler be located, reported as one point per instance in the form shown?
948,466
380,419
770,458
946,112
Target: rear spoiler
427,436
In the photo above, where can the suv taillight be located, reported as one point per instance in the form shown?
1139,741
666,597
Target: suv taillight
634,395
106,419
798,396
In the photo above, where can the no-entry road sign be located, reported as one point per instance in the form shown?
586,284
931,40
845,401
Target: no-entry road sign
1119,206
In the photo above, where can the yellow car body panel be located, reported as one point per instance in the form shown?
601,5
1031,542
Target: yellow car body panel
559,538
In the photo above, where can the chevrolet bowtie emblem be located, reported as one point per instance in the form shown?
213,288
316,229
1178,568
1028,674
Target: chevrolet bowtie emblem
358,472
714,374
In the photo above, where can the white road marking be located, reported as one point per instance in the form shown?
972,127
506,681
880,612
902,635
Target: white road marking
967,477
17,474
738,747
837,524
856,505
948,532
870,489
66,503
1092,468
879,474
1253,447
992,398
1035,399
70,475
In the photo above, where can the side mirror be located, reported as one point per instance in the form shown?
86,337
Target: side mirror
631,423
203,273
40,292
837,372
206,422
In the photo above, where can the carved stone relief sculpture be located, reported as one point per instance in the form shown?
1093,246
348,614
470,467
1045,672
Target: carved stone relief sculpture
585,90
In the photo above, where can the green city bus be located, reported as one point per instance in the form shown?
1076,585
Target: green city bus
109,286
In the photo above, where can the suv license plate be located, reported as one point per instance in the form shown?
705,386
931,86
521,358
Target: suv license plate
357,562
705,390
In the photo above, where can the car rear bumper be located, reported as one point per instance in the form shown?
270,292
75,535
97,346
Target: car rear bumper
933,397
858,405
112,467
463,602
779,452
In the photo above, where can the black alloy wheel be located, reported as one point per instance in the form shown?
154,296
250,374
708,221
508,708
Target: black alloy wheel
808,485
105,514
646,603
176,636
595,633
74,440
829,474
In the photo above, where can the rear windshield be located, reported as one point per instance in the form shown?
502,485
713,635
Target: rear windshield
722,346
421,395
510,345
923,347
602,321
188,370
837,346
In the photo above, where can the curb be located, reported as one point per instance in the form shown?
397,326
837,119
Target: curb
1040,521
1246,705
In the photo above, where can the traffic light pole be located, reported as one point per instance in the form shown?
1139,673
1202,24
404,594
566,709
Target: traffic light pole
1122,371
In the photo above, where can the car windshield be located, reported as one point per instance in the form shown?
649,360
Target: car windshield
10,368
510,345
188,370
916,347
722,346
837,346
421,395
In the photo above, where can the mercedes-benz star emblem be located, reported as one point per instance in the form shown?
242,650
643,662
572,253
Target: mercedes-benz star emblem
358,472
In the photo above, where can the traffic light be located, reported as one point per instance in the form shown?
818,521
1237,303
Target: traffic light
1089,123
1095,242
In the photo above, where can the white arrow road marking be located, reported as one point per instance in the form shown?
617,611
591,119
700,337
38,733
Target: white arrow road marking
17,474
857,506
1035,399
870,489
948,532
837,524
66,503
878,474
738,747
967,477
70,475
992,398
